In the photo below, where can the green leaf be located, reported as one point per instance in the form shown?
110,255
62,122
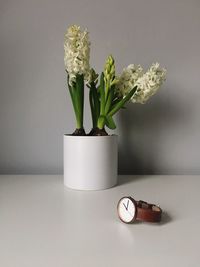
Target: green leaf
72,90
79,98
114,102
122,102
96,101
94,104
92,108
109,99
102,94
110,122
98,89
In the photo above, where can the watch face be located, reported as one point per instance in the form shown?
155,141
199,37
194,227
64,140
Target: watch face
127,209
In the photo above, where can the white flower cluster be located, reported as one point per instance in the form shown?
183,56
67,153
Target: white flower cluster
77,52
128,78
149,83
91,76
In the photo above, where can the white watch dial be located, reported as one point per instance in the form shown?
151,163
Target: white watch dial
126,209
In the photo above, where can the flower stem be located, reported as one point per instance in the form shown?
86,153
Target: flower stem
101,122
77,96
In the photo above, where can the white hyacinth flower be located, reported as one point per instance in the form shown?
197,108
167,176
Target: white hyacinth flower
77,52
128,78
148,84
92,76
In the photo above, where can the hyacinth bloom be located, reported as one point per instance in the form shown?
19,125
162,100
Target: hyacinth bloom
149,83
109,93
76,59
128,78
77,52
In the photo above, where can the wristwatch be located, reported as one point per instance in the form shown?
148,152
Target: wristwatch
130,210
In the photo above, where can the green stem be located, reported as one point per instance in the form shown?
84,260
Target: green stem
77,96
101,122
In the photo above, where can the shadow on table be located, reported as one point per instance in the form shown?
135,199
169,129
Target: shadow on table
127,179
166,218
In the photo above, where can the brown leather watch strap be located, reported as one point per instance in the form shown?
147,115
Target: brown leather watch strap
148,212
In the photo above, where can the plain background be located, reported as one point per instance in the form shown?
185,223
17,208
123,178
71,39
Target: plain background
35,108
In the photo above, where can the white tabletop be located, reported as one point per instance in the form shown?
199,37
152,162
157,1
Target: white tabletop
44,224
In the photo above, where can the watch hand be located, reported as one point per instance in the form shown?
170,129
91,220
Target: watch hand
125,206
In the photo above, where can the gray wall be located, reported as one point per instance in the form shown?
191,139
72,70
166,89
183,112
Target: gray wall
35,109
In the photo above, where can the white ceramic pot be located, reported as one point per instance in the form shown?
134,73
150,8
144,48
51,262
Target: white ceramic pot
90,162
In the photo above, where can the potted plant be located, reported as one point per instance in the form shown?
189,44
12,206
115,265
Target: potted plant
90,160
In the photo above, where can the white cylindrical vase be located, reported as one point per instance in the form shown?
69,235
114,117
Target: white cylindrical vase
90,162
